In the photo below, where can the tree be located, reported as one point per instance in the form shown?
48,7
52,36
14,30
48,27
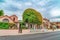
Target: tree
31,16
1,13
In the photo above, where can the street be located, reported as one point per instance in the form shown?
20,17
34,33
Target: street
39,36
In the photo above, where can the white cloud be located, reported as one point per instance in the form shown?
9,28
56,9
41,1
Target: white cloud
18,5
43,2
34,0
18,14
55,12
28,3
10,2
23,5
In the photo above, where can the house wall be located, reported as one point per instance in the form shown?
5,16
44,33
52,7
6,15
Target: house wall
57,24
10,21
46,23
14,18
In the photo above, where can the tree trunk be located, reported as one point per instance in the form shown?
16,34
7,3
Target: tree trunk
32,25
26,24
19,28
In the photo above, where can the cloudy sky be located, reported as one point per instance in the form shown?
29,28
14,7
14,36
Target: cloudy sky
48,8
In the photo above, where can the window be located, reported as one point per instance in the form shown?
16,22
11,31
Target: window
5,20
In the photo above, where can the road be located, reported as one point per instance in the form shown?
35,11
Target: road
39,36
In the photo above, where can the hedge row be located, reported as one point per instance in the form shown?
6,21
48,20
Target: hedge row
4,25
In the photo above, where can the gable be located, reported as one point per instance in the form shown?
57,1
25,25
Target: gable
5,17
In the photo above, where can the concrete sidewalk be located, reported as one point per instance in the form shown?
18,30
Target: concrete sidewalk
27,31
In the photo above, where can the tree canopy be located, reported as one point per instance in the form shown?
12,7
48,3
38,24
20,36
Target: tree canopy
1,13
32,16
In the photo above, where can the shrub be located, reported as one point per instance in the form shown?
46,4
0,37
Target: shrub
24,27
4,25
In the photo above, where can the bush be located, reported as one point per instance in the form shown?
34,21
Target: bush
24,27
4,25
22,24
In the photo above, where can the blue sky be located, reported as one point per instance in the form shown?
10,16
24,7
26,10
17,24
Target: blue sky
48,8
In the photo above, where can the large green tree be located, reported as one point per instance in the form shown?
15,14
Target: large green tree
31,16
1,13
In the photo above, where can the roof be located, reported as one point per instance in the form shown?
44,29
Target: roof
45,19
9,17
13,15
5,16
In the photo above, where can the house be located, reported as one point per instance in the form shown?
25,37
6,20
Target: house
46,23
55,21
9,19
57,24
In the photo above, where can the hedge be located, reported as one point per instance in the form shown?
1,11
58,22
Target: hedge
4,25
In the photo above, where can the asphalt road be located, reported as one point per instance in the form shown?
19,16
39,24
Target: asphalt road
39,36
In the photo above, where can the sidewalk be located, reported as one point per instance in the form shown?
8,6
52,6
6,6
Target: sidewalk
27,31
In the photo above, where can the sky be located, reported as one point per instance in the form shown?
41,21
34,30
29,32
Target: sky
48,8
